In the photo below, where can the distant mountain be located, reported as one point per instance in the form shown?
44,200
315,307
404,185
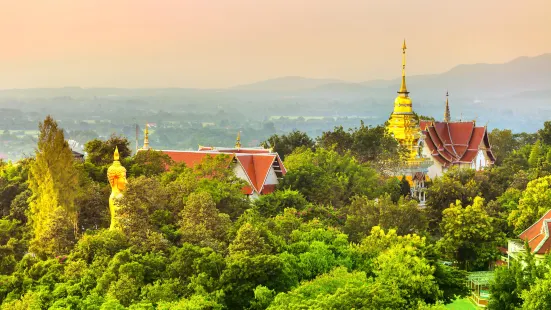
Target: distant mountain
519,75
288,83
524,74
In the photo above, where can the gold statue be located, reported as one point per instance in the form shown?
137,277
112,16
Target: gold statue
116,174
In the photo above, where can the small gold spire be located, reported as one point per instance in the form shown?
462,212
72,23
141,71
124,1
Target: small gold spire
447,112
116,155
146,138
238,140
403,88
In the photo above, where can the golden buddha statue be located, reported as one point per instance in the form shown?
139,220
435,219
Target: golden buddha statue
116,174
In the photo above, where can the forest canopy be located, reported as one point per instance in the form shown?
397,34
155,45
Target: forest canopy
337,233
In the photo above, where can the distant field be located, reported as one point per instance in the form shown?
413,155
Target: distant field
25,132
276,117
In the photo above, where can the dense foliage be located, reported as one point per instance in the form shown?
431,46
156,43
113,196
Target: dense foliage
336,234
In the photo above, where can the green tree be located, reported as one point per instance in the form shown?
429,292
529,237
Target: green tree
248,242
410,275
405,188
148,214
455,184
150,163
286,144
503,143
535,201
468,235
339,139
537,155
539,294
363,214
53,181
202,224
326,177
100,152
273,204
338,289
544,134
509,283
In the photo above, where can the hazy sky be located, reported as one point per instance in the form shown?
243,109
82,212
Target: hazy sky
220,43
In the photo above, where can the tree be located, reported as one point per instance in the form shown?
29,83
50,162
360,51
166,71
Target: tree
408,273
468,235
150,163
510,282
363,214
274,204
326,177
202,224
503,143
539,294
53,181
535,201
537,155
338,139
338,289
455,184
148,214
544,134
405,188
286,144
248,242
100,152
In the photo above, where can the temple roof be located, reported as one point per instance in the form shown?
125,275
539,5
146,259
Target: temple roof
455,142
537,235
256,164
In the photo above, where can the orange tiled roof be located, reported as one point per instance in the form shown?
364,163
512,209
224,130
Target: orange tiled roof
537,235
256,164
455,142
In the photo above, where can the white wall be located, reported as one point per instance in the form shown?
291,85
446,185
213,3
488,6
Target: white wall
272,177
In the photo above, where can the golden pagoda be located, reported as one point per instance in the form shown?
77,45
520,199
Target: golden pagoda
145,139
238,140
403,125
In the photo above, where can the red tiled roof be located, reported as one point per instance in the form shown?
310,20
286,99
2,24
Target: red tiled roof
192,158
537,235
455,142
424,124
255,165
268,189
235,150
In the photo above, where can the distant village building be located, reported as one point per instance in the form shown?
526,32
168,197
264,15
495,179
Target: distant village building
261,168
537,237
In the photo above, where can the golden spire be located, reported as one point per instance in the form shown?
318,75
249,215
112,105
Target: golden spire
146,138
238,140
447,112
116,155
403,88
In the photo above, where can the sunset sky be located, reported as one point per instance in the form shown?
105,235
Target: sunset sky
221,43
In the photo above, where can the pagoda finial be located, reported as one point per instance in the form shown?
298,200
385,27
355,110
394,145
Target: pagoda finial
146,138
403,88
238,140
116,156
447,112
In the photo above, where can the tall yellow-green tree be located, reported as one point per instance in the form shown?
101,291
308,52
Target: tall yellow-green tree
53,180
